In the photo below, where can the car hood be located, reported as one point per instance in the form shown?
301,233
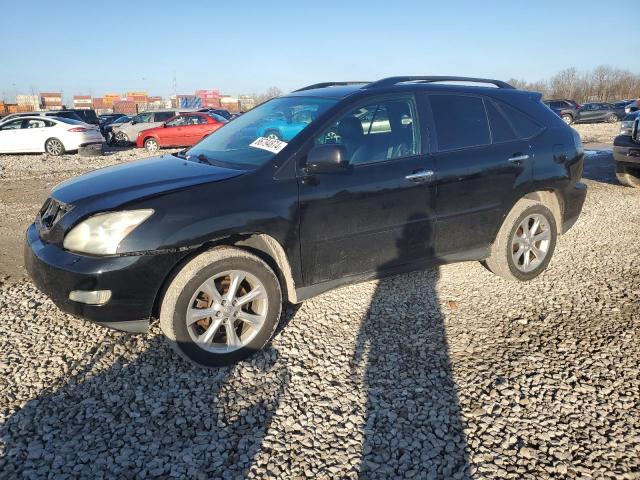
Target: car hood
119,184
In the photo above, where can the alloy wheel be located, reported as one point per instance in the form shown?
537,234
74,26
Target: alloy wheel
151,145
227,311
54,147
530,243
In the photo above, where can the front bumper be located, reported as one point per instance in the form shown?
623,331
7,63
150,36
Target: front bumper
625,150
134,281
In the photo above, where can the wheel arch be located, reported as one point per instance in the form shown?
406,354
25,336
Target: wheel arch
261,245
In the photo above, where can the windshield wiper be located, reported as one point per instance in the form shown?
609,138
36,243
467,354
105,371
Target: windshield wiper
181,154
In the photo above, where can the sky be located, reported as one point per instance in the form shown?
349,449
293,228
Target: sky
97,47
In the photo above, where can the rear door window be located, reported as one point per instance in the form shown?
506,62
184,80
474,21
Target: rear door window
162,116
460,121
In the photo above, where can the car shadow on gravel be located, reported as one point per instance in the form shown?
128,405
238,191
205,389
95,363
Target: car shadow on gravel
414,427
600,166
153,416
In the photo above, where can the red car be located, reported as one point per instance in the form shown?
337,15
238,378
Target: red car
182,130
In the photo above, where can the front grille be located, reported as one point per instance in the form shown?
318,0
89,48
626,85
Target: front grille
51,213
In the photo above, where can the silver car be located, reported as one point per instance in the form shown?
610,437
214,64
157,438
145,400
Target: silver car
128,132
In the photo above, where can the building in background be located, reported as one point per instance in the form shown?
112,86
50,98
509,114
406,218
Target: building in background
229,103
126,107
209,98
247,102
27,103
109,98
187,101
51,101
82,102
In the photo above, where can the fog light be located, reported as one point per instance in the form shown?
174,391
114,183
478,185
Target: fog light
97,297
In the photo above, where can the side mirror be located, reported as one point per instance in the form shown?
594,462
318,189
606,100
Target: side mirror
327,158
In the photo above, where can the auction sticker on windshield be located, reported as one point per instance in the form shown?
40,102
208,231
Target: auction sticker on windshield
271,144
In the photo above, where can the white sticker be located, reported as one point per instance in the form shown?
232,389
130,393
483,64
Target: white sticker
271,144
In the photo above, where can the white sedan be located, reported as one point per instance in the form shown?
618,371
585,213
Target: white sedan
52,135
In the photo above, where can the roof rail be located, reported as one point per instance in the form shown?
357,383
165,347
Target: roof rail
329,84
387,82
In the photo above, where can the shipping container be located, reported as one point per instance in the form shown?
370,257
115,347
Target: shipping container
123,106
189,101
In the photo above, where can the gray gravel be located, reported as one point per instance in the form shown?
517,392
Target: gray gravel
448,373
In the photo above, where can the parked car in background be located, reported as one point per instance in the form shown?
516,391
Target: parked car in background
86,115
127,132
52,135
568,109
626,126
109,117
632,106
626,152
182,130
599,112
218,111
70,114
107,128
214,239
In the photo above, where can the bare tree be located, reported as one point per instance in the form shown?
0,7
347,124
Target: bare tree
603,83
271,92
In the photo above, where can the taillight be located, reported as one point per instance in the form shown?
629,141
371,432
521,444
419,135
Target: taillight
77,129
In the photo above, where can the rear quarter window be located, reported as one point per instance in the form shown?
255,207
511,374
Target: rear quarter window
501,130
460,121
524,125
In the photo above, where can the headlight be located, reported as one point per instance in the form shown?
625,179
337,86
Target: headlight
102,233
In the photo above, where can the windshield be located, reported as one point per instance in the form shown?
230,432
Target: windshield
255,137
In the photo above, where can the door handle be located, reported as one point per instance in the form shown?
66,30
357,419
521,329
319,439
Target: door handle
518,159
421,176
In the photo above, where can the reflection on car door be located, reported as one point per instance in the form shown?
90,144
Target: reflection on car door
373,215
478,168
36,133
12,137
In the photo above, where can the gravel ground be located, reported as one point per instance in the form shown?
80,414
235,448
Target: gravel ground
597,132
447,373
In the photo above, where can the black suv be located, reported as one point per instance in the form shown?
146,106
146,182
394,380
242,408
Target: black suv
369,179
626,152
567,109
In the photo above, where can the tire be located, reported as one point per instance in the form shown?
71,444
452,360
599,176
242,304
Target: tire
152,145
510,264
121,138
566,118
273,134
613,118
186,291
628,180
54,147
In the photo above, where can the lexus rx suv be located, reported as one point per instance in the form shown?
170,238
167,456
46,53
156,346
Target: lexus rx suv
384,177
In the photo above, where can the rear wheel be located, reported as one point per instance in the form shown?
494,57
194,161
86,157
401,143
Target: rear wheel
54,147
568,119
525,243
613,118
151,144
221,307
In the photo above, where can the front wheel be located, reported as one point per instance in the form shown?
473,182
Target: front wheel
221,307
568,119
525,243
151,144
121,138
613,118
